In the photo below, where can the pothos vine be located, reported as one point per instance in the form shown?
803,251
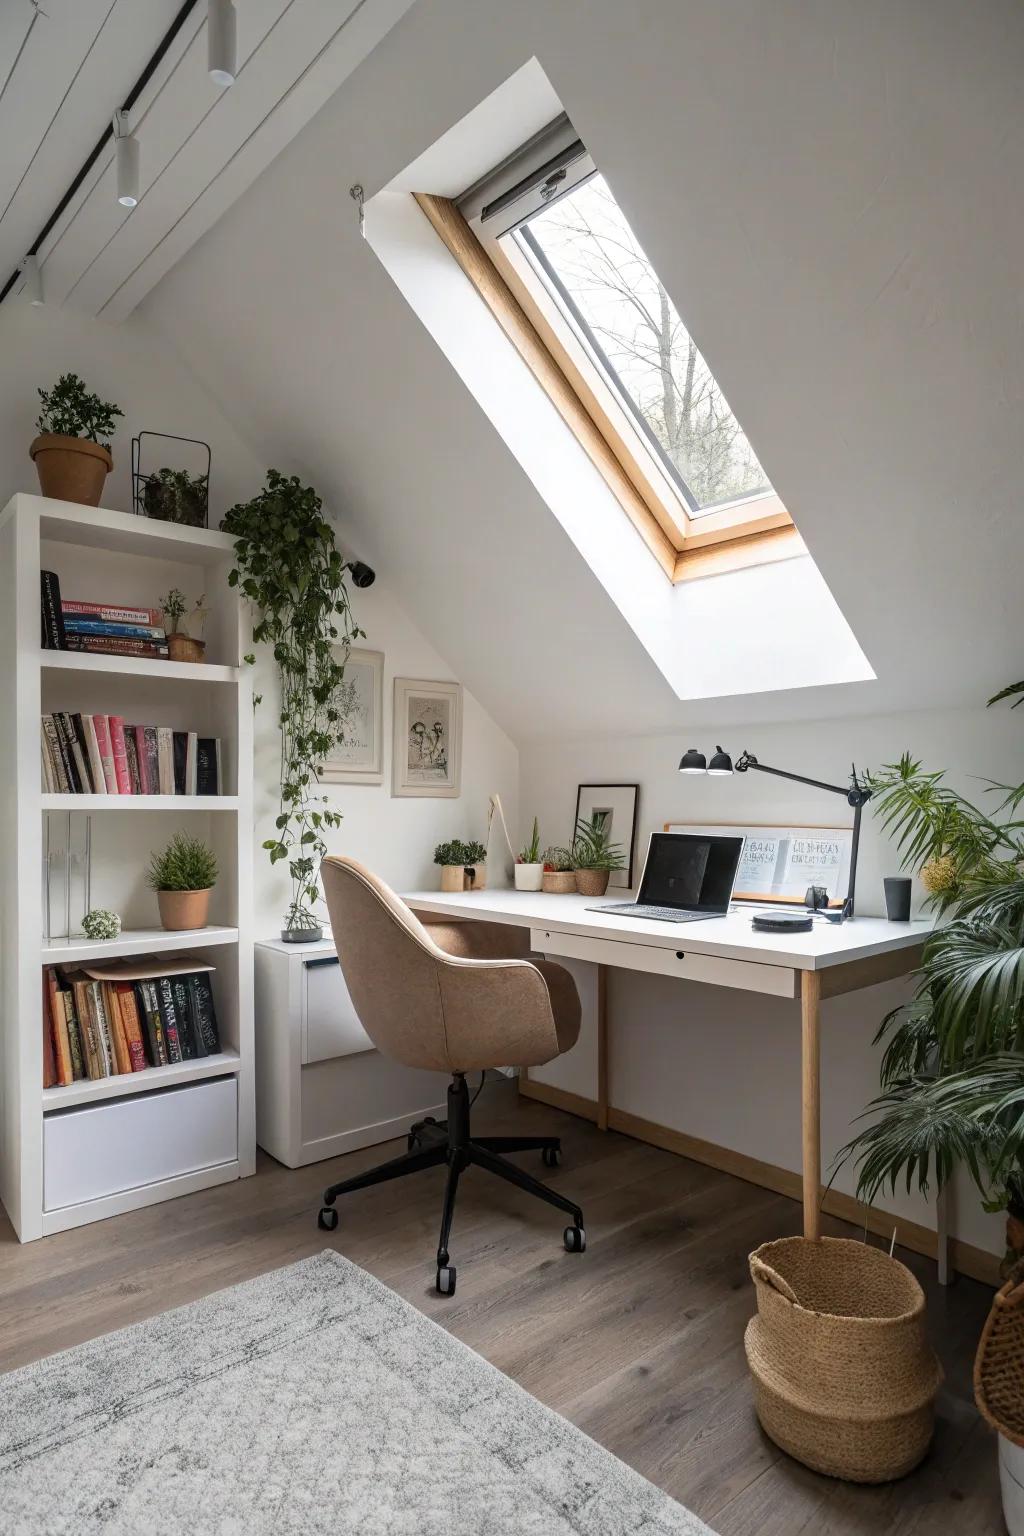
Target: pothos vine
288,567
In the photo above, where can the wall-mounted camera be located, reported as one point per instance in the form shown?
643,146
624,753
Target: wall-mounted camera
363,575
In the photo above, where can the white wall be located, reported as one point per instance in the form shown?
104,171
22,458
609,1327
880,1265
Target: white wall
723,1065
137,368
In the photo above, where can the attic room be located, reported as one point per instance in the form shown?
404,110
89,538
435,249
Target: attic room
512,932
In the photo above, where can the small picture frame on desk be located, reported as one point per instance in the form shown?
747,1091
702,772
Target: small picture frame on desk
358,755
616,805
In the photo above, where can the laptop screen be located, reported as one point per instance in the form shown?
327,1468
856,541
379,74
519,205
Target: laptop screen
688,870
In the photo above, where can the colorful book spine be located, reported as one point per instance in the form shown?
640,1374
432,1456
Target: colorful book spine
152,754
105,645
77,626
118,1038
101,726
165,759
132,1025
119,753
104,1037
63,786
96,774
59,1023
74,1034
112,614
52,633
49,1054
169,1018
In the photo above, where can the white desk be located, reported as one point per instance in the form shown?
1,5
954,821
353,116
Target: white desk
725,952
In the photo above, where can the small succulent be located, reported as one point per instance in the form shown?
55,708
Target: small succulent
457,852
557,860
101,924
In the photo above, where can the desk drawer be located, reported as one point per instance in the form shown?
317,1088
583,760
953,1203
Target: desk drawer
746,975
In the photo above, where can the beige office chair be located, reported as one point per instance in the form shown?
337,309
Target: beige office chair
449,998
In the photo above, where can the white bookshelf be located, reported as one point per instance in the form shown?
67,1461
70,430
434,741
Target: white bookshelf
111,556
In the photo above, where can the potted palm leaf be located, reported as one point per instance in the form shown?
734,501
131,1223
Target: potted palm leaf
594,855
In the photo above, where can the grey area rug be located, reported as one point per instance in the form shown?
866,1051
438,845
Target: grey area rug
312,1399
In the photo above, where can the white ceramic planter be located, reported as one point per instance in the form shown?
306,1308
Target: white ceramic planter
529,877
1011,1478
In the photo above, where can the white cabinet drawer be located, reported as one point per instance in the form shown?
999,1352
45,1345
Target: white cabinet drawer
746,975
103,1149
330,1024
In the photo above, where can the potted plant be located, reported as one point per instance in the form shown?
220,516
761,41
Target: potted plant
952,1073
462,865
529,866
594,856
183,875
71,458
559,877
180,645
293,575
175,496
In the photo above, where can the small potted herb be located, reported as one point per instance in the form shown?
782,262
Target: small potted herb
462,865
559,877
594,856
180,644
175,496
183,875
71,458
529,867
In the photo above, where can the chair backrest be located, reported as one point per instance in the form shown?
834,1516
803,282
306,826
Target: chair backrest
421,1006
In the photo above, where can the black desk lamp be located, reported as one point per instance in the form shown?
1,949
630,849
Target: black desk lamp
856,795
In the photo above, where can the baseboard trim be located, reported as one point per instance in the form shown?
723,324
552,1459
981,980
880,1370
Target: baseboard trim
969,1260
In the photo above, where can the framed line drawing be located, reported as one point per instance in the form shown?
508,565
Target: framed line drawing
778,863
358,755
427,746
615,804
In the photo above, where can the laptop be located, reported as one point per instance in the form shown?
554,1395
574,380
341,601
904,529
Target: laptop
687,877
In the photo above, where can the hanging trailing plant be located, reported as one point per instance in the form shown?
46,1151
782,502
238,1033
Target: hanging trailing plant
294,577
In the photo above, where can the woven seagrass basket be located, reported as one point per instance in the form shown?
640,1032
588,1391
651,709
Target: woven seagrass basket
999,1391
844,1378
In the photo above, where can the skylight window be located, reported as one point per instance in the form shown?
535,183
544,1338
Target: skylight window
554,256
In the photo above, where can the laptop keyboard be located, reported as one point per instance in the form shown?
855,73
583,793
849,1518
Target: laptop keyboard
659,914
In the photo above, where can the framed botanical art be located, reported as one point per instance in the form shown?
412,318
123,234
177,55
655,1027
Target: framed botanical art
427,754
358,754
615,805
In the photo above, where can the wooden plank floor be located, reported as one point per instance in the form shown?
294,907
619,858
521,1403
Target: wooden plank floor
639,1341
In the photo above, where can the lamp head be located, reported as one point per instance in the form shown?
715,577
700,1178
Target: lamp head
720,764
693,761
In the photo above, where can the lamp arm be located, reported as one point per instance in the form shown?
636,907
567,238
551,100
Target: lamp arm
746,761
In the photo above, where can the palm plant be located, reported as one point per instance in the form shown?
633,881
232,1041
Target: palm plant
952,1073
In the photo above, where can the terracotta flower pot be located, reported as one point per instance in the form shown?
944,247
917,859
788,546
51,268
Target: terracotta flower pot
180,910
71,468
184,648
592,882
559,882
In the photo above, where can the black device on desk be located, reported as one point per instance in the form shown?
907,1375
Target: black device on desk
686,877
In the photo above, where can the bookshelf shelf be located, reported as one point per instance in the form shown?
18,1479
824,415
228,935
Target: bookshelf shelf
136,666
103,556
133,941
96,1091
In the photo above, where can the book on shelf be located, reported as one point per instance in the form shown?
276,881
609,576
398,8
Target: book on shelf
52,632
113,630
112,614
106,755
108,645
114,1019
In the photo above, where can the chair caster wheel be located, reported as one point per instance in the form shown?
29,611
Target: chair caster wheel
575,1240
327,1218
445,1280
551,1156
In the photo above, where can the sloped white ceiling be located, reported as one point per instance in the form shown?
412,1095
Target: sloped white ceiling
831,193
65,65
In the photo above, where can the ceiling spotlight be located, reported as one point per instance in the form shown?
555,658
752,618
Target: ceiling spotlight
32,280
221,61
126,149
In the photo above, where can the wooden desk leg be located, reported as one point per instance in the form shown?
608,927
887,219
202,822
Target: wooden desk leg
602,1048
810,1103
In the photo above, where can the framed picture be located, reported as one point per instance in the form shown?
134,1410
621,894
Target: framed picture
358,755
616,805
779,863
427,754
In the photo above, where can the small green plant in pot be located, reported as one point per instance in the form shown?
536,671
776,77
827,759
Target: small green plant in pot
181,645
183,875
175,496
595,856
462,865
559,877
529,866
71,455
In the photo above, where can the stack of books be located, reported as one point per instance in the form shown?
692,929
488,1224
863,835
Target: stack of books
103,755
104,628
105,1021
